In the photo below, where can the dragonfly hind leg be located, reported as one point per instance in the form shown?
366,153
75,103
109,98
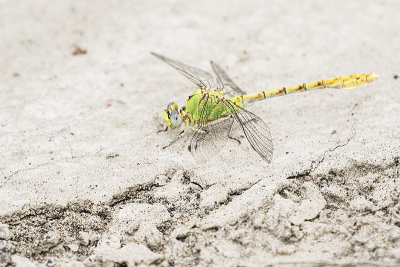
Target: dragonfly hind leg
230,136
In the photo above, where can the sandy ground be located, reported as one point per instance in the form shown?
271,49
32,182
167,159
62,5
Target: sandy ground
84,179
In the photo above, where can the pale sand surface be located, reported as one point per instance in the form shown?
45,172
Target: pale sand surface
84,179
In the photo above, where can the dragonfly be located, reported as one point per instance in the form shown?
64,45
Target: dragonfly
211,110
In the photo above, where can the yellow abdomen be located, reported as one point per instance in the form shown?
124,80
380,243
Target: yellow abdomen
349,81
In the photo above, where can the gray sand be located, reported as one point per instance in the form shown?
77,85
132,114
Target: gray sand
84,179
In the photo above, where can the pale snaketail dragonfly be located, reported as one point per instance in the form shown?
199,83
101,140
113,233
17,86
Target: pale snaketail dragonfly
211,110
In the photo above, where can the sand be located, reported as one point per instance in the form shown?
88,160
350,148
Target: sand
84,178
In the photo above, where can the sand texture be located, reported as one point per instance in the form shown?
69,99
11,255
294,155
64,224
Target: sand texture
84,180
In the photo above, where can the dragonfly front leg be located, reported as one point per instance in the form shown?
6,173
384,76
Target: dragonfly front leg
163,130
177,137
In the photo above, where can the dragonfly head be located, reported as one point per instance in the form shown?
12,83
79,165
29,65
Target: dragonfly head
172,117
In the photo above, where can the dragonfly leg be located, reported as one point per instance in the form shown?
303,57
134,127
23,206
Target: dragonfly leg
161,131
230,136
198,130
177,137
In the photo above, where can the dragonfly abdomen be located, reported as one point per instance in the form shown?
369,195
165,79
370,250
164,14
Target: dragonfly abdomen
348,81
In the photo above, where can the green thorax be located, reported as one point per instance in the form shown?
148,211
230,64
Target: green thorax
209,107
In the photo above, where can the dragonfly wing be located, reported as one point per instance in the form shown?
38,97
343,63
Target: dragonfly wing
211,134
200,77
209,139
255,129
229,86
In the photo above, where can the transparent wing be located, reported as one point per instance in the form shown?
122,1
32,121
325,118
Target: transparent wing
225,82
210,136
255,129
209,139
200,77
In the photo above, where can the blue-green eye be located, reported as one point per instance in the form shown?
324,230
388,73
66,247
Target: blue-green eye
175,118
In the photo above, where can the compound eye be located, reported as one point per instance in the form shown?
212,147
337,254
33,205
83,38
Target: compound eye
176,120
170,104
